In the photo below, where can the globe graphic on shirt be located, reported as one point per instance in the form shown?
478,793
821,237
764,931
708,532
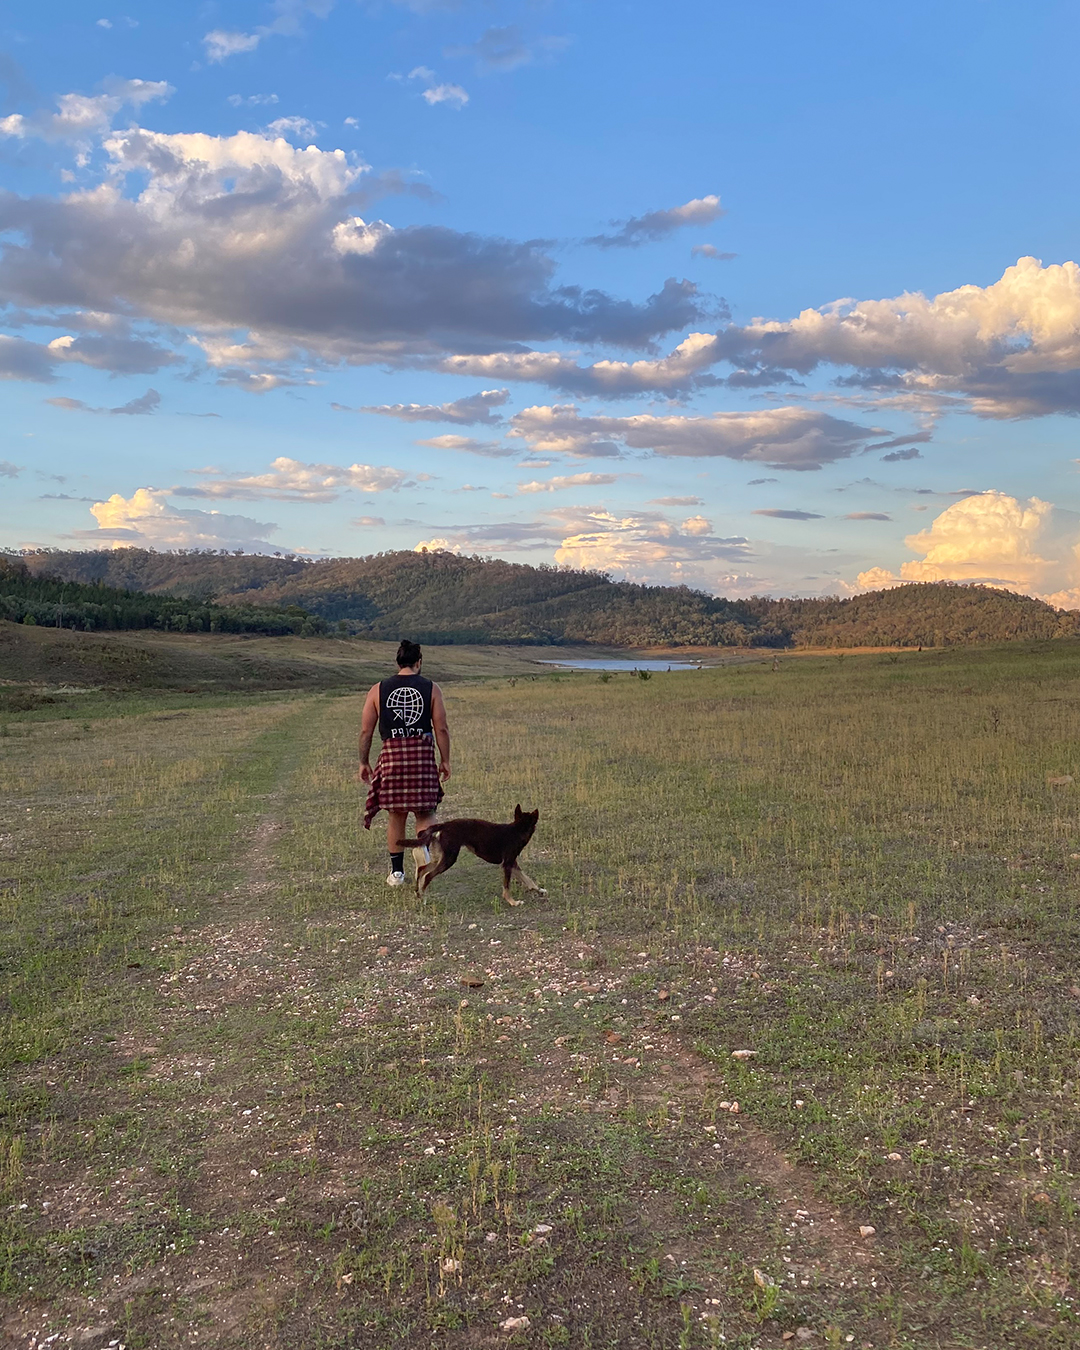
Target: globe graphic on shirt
406,704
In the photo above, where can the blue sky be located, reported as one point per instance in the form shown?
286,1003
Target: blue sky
766,299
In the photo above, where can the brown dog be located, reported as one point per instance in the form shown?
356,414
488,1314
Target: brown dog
498,844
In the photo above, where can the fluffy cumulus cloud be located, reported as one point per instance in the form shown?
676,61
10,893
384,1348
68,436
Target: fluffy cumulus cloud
291,480
1012,349
300,127
659,224
646,546
82,117
472,410
639,545
146,519
991,538
254,245
783,438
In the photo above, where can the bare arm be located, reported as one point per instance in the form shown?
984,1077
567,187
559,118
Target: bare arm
368,722
441,730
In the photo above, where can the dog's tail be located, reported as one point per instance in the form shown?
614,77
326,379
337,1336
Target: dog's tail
423,838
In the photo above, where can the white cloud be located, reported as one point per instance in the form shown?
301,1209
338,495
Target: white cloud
991,538
146,520
220,44
711,251
560,370
643,546
659,224
471,410
358,237
436,92
676,501
573,480
292,480
437,545
248,240
288,18
9,470
81,117
293,126
783,438
1012,348
259,382
451,94
877,579
640,545
251,100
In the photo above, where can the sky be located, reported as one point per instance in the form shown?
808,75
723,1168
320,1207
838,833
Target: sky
767,299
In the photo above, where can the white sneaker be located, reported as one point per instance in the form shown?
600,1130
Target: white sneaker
396,879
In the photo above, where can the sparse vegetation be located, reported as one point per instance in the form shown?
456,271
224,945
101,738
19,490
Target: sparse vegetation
252,1093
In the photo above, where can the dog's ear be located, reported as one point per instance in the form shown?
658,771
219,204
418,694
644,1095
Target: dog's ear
517,811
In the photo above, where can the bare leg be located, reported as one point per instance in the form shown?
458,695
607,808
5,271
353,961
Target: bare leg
395,830
527,881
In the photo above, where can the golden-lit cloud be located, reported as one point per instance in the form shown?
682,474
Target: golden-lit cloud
147,520
991,538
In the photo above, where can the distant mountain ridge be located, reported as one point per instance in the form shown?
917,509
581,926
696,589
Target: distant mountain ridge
444,597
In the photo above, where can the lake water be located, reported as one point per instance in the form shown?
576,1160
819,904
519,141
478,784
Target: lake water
620,663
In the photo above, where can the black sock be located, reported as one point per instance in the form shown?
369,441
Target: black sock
397,862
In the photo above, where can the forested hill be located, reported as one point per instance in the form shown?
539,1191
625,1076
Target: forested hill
442,597
56,601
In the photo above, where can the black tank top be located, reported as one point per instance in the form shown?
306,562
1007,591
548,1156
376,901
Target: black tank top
404,707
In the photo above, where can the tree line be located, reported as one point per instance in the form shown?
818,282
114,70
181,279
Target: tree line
56,602
440,596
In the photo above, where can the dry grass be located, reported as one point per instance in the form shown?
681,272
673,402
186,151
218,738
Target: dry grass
250,1102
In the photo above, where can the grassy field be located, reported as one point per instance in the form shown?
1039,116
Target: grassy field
252,1098
89,672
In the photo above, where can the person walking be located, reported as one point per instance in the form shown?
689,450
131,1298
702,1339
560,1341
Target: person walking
409,711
